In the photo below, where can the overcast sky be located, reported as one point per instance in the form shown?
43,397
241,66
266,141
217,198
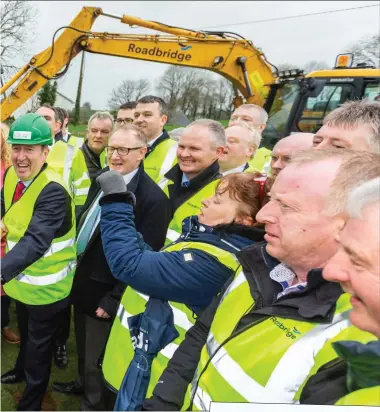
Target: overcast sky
295,41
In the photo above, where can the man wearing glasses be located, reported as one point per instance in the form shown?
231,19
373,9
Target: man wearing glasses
126,114
96,293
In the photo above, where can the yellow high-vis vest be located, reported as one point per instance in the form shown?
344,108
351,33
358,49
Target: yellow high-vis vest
50,278
161,160
120,350
190,207
269,361
80,179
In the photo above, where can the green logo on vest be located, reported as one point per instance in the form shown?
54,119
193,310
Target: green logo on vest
289,333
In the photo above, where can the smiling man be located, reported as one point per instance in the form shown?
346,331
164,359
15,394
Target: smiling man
39,224
354,125
96,293
195,176
151,115
356,266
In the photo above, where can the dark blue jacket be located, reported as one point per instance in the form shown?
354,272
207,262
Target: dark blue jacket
168,275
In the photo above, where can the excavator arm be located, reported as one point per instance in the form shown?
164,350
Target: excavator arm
234,58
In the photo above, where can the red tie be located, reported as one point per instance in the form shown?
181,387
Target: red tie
18,192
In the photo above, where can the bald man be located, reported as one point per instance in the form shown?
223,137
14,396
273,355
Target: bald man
286,148
242,142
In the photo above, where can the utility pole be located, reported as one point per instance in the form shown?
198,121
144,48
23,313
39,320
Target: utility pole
79,92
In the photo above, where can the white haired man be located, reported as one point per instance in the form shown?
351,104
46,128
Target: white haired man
356,266
195,176
242,143
91,157
256,117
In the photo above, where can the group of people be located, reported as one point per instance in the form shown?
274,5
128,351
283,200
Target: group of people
200,266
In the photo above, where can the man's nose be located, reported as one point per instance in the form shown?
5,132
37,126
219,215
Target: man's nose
266,213
278,164
324,144
336,268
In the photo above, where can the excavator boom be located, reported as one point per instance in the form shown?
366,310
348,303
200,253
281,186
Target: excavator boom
234,58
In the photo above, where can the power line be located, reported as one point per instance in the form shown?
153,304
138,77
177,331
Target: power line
288,17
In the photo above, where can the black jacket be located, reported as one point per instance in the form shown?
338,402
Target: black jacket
94,285
315,304
178,194
51,219
92,161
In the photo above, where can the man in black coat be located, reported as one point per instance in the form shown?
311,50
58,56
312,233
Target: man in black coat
96,293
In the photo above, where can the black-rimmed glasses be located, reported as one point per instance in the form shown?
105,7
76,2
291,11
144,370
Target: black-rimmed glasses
121,151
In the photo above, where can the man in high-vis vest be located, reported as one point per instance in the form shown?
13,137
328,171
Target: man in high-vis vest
38,221
356,266
242,142
272,328
196,175
126,114
91,158
151,115
256,117
287,147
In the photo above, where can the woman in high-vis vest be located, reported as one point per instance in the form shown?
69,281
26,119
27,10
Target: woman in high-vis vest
187,274
37,270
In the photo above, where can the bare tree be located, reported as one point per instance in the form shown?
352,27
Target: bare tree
170,85
366,50
313,65
127,91
17,20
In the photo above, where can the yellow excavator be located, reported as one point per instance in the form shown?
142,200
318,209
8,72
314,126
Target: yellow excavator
295,102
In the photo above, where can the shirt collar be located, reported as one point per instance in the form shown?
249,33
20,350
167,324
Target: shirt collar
284,275
26,183
238,169
65,138
151,143
185,180
129,176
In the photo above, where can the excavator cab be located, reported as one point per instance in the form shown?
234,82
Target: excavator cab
300,104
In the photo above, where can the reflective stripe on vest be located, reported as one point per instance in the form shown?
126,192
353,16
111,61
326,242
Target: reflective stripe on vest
161,160
362,397
76,141
61,158
81,181
49,279
190,207
119,351
235,370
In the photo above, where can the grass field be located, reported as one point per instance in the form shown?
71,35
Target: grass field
54,401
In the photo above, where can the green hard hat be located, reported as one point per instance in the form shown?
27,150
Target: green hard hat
30,129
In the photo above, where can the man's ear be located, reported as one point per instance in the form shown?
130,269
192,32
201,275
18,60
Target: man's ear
219,151
340,222
164,119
